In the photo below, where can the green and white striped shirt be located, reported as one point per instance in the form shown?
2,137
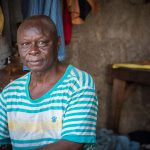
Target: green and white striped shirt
66,112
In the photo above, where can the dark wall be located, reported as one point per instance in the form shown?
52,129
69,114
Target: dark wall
120,32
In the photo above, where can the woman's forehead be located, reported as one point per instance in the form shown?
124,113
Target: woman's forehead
35,25
35,29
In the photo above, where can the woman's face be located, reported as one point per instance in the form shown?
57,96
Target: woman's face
37,47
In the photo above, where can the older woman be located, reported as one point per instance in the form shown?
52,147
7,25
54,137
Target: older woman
55,105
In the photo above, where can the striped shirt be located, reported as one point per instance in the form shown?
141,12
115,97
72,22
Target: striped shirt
66,112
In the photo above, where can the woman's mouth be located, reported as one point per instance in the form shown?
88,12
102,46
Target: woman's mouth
35,62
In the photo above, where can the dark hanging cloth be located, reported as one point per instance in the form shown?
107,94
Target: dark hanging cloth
6,30
85,8
67,23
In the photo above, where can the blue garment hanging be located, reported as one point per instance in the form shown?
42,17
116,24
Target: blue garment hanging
51,8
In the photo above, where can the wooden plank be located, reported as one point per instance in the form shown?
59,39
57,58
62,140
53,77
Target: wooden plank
140,76
116,102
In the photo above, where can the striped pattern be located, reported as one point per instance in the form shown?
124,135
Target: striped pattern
68,111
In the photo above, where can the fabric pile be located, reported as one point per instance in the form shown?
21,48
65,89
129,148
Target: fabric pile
107,140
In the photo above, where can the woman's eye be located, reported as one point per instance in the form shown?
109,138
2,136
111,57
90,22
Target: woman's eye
25,45
42,43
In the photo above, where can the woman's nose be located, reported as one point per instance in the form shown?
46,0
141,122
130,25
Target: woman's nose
34,50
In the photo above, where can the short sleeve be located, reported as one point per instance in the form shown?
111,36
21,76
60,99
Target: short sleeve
79,123
4,134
